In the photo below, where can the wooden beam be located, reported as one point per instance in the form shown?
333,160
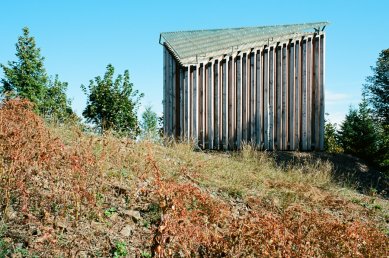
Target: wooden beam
225,104
266,98
278,98
297,85
271,98
231,103
316,76
259,98
239,101
173,99
309,94
252,98
322,83
216,100
210,107
195,102
291,84
304,135
164,91
284,86
244,98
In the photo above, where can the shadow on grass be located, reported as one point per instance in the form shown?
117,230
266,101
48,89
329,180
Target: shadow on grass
347,170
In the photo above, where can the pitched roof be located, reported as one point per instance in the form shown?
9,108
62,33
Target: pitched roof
198,45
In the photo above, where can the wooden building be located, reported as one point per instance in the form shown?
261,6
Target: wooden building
258,85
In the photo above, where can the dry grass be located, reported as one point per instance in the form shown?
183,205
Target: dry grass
68,193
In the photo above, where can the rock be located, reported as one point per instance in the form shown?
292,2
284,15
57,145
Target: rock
135,215
127,230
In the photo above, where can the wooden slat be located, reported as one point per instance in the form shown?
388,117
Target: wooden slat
322,82
266,98
238,101
206,104
291,83
278,98
304,140
271,98
210,107
164,91
225,104
297,85
284,87
173,97
195,103
182,95
309,94
216,98
316,76
231,103
259,98
168,94
244,97
202,106
252,98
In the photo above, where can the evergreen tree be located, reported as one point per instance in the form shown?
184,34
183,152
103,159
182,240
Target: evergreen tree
377,87
331,138
149,124
358,133
112,104
27,78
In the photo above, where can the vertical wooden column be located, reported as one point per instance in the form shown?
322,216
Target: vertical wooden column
271,98
164,91
316,91
284,86
309,94
321,89
225,67
231,103
206,103
259,98
291,83
238,101
304,140
195,103
182,103
253,97
244,97
266,98
210,111
297,84
168,93
173,98
216,102
201,105
278,99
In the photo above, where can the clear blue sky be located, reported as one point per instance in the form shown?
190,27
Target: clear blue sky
79,38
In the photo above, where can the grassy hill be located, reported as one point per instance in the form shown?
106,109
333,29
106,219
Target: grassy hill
68,193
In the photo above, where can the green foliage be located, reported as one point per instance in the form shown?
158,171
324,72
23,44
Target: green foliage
27,78
377,87
112,103
358,133
149,124
120,250
331,141
109,212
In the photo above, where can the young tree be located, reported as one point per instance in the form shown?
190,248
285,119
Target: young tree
358,133
113,104
55,104
331,141
377,87
27,78
149,124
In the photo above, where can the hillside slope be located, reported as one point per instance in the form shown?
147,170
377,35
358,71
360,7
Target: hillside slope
67,193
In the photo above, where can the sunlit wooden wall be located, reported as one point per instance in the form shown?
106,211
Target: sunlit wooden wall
271,97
